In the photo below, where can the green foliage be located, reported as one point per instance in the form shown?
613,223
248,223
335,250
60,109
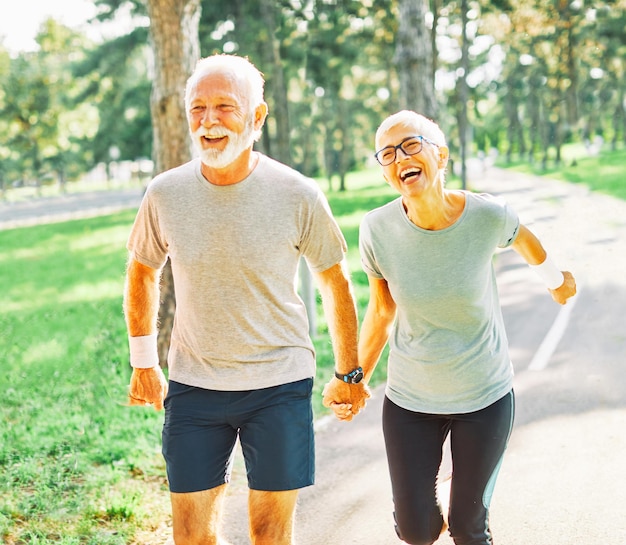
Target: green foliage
42,122
541,74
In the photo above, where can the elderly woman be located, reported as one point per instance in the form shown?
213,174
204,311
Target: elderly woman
433,297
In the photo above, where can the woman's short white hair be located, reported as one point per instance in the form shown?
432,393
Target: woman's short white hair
414,121
234,64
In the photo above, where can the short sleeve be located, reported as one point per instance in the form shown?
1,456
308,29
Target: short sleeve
510,227
145,242
368,260
323,244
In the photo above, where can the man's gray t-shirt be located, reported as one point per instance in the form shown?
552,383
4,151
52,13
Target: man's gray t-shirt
235,252
448,347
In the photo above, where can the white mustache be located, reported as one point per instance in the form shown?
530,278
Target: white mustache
212,133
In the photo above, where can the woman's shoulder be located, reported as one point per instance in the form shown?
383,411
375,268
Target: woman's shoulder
486,199
384,211
487,203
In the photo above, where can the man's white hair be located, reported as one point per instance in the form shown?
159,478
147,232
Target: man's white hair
414,121
241,67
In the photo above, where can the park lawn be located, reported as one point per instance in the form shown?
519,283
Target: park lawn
603,172
75,463
77,466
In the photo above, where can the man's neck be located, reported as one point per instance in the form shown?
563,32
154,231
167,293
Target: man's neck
234,173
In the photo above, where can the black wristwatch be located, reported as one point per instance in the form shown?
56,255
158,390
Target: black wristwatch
353,377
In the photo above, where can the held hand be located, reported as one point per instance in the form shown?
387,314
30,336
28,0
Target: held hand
345,400
565,290
147,387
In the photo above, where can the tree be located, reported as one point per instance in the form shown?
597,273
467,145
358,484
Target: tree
414,59
119,86
176,46
43,120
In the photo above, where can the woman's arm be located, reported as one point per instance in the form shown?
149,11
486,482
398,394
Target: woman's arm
340,312
374,334
560,284
376,326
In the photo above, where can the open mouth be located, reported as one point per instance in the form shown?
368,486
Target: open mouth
410,174
213,139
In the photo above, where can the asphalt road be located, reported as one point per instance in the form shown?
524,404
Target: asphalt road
67,207
563,481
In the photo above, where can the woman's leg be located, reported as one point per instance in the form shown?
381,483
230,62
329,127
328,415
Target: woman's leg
478,442
413,442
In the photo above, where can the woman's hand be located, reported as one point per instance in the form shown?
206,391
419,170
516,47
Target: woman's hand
566,290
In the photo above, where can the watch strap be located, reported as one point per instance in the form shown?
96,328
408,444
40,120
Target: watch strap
349,377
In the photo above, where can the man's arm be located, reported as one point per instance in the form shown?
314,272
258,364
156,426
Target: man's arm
141,308
340,311
141,299
560,284
375,329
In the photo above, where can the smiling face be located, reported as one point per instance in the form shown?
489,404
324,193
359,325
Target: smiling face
221,122
413,174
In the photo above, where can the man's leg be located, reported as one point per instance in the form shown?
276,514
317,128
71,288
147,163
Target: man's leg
197,446
196,517
272,517
277,442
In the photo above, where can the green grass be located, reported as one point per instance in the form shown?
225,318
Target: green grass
77,466
604,172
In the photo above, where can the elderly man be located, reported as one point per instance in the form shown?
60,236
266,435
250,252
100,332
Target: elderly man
234,224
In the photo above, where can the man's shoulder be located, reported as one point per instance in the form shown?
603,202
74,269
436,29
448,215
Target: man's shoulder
281,173
173,177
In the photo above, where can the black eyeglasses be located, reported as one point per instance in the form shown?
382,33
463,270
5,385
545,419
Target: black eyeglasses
411,145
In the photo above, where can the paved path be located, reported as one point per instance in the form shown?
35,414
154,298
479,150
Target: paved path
67,207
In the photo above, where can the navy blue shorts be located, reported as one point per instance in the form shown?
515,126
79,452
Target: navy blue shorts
274,426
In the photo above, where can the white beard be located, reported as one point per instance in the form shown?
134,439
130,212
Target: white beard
237,144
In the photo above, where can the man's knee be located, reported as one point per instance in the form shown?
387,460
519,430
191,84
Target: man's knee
196,516
271,517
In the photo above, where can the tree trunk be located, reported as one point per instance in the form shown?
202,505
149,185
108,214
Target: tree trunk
176,46
463,96
345,151
434,6
414,59
277,85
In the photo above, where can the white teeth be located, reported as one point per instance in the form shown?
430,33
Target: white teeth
405,173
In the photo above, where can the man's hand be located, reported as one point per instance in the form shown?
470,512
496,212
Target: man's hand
565,290
345,400
147,387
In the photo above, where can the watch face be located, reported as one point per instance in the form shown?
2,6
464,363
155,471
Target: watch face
357,378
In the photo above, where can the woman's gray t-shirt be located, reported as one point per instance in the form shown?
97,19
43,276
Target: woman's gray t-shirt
235,250
448,347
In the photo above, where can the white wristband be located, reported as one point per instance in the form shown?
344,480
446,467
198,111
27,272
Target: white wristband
551,276
143,351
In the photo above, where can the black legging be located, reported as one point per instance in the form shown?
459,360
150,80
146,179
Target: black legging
414,444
